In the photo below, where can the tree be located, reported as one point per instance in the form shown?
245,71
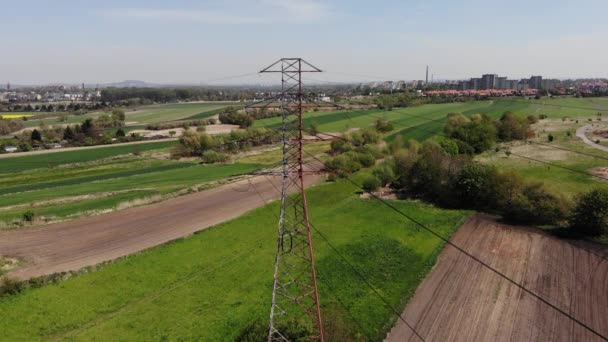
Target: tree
120,133
68,134
89,128
478,132
590,215
191,142
512,126
118,117
36,136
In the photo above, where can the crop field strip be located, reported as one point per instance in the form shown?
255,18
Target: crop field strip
23,163
80,180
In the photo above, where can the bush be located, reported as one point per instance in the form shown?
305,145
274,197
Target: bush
28,216
235,118
474,187
550,137
590,215
512,126
450,146
384,126
340,146
371,183
343,165
384,173
534,205
211,157
9,287
532,119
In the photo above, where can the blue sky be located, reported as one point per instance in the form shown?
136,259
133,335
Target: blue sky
194,41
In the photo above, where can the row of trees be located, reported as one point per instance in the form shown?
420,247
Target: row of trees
429,172
54,107
164,95
90,132
216,148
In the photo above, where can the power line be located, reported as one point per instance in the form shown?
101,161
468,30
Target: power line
353,318
443,135
476,259
358,273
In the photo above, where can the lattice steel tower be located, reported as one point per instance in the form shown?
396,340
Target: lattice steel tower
295,298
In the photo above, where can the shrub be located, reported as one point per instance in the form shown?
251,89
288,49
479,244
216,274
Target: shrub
534,205
211,157
550,137
450,146
590,215
10,287
343,165
371,183
532,119
512,126
365,159
233,117
473,186
340,146
384,173
384,126
28,216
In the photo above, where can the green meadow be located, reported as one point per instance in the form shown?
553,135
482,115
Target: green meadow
210,286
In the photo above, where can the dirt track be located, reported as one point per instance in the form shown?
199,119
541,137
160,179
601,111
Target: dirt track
89,241
461,301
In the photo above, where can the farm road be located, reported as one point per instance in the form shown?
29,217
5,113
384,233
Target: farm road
72,245
462,301
580,133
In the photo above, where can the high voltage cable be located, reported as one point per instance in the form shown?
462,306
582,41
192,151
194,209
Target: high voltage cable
476,259
443,135
254,104
329,286
360,275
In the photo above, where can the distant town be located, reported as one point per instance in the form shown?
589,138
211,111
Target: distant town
494,85
488,85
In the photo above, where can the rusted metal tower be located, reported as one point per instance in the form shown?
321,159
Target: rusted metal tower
295,297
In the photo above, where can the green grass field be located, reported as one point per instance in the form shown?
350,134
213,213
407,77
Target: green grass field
104,186
24,163
211,285
75,183
409,126
145,114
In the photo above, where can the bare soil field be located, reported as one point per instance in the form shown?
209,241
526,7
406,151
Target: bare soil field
462,301
70,246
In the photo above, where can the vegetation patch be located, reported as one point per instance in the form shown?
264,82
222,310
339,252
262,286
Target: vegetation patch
215,284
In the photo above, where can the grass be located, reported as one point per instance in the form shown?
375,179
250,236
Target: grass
145,114
23,163
211,285
78,195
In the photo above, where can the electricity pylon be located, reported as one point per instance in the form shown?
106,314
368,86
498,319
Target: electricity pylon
295,297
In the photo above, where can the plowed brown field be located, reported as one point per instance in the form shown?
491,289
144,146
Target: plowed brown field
462,301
